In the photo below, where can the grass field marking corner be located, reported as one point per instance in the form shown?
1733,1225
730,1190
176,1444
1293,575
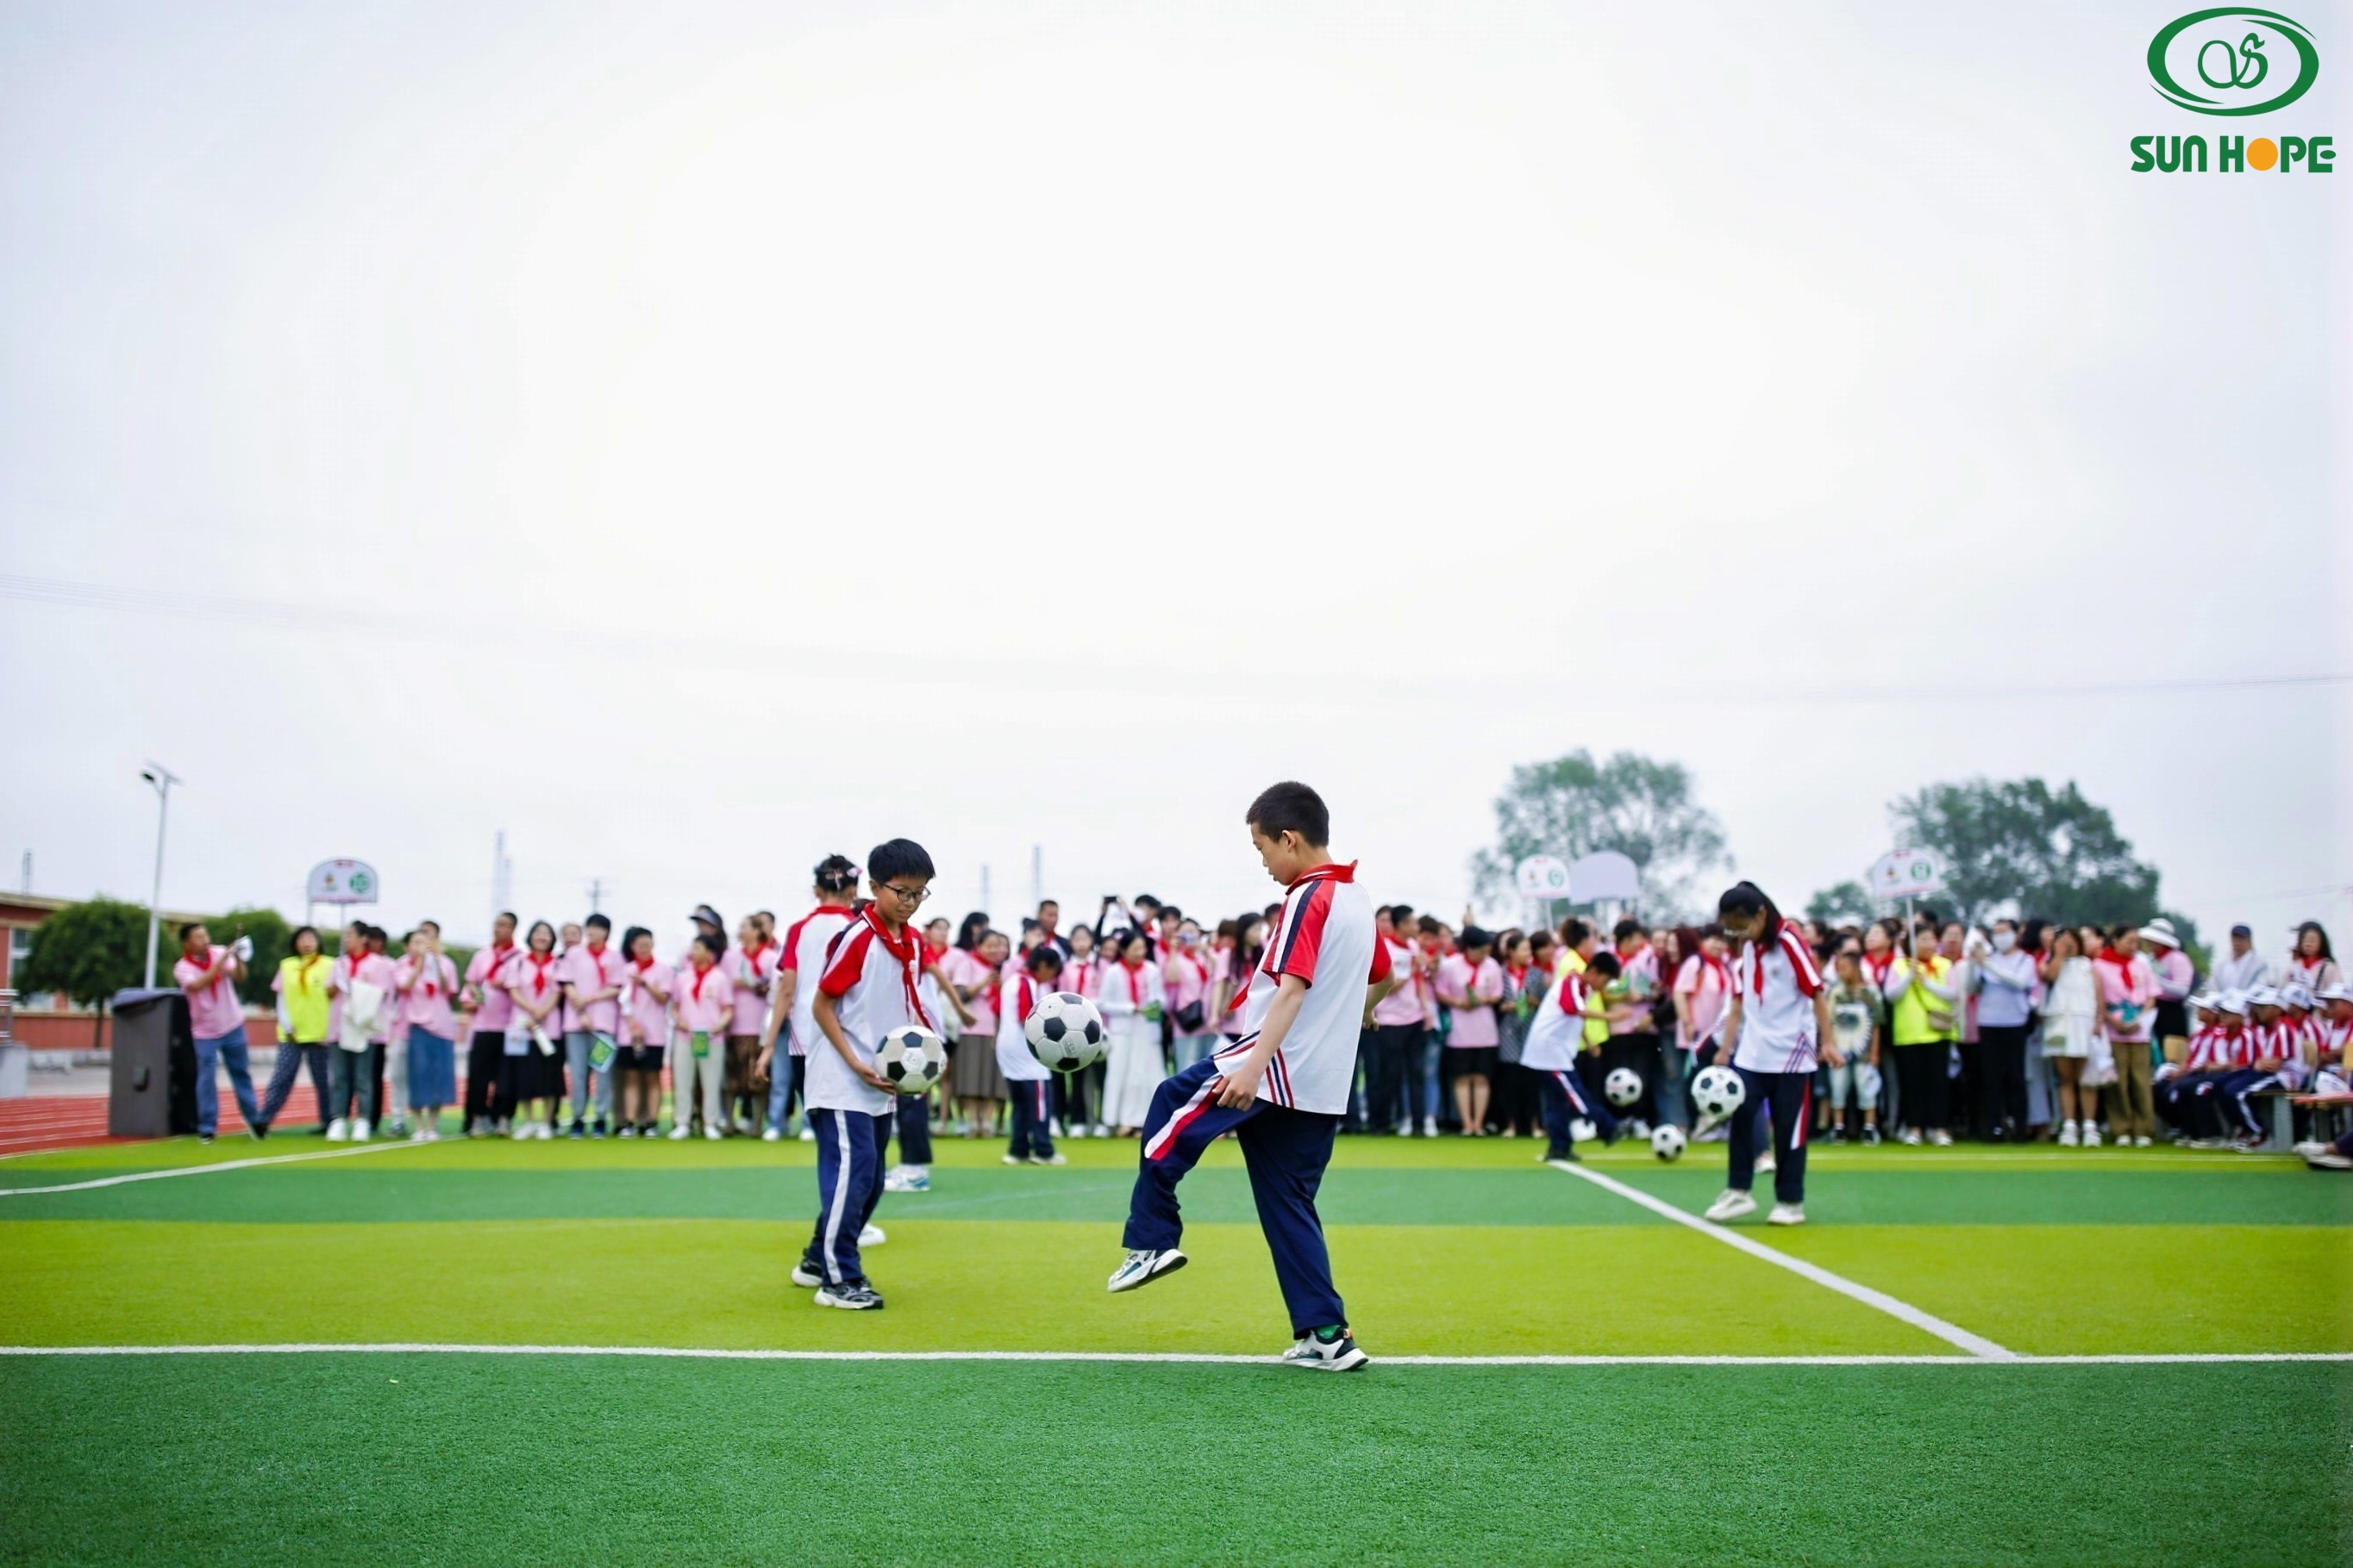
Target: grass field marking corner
207,1169
1951,1333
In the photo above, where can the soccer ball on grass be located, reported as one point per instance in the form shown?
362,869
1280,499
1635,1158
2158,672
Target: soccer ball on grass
912,1058
1064,1031
1667,1142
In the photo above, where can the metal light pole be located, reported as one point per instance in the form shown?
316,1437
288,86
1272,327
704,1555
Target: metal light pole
162,778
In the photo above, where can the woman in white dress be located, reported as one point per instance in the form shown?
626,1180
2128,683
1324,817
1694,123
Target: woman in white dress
2071,1016
1130,1002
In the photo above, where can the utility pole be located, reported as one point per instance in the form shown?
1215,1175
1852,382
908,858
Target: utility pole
984,887
501,876
162,778
28,873
595,894
1037,877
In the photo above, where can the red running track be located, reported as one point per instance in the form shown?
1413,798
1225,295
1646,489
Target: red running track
75,1120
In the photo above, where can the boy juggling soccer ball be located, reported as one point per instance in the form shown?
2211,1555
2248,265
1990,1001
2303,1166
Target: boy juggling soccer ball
867,988
1282,1087
1776,1024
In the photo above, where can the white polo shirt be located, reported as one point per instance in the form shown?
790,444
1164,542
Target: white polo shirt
1325,935
804,954
1556,1028
1776,982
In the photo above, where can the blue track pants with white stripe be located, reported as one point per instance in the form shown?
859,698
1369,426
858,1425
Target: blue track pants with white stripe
1285,1150
850,1148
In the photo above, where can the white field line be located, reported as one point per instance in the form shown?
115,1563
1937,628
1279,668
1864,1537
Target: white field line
206,1169
671,1353
1952,1335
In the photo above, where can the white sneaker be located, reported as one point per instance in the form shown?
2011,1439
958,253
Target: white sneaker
1429,1127
421,1135
1640,1128
1941,1138
773,1135
1314,1355
871,1235
1787,1213
2069,1135
1911,1137
806,1278
681,1130
713,1133
359,1132
2325,1158
338,1129
907,1179
2141,1142
808,1135
2090,1137
1056,1158
519,1130
1143,1267
1765,1162
1730,1205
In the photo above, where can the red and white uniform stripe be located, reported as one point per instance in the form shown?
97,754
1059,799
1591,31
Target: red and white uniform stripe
1775,981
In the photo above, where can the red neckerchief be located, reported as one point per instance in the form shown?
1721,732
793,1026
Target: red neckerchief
752,958
1880,966
931,955
597,956
702,971
1134,985
539,980
2124,965
641,964
497,956
1518,971
206,963
905,949
1759,948
432,974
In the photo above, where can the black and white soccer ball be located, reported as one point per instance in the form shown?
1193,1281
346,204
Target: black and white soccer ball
1717,1092
1667,1142
912,1058
1623,1085
1064,1031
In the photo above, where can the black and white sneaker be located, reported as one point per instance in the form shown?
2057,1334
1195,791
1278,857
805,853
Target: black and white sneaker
806,1275
850,1297
1326,1356
1143,1267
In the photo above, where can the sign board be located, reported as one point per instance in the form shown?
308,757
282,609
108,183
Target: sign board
1542,877
1905,874
1605,875
342,882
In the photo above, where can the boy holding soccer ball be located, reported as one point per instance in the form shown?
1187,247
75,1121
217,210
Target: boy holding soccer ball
1281,1087
1027,1082
867,988
1777,1026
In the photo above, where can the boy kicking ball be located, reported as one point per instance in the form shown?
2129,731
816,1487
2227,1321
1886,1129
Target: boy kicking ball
1283,1087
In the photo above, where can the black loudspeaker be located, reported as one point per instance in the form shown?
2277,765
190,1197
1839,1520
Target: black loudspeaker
154,1089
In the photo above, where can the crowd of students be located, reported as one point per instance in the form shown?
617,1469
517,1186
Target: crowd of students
2017,1031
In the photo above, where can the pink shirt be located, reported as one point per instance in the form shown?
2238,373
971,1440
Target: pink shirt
537,983
648,1014
213,1012
377,970
1468,992
1403,1004
967,970
425,990
1645,963
2131,983
751,1001
586,971
704,997
1083,976
1186,980
1705,982
486,973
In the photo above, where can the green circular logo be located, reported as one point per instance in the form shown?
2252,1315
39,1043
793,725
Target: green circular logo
2246,61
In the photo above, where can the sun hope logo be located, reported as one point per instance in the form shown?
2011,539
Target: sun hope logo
2234,61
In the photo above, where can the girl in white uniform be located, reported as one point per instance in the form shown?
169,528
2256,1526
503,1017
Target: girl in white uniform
1130,1003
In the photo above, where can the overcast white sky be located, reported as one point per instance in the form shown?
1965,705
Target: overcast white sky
695,437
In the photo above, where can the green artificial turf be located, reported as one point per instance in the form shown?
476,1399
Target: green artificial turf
350,1458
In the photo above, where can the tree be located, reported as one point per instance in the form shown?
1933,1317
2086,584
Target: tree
1842,904
1572,807
2050,852
89,950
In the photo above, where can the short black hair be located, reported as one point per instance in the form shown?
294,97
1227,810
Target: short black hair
1291,807
1043,957
597,923
1602,963
1431,925
1625,928
629,939
190,928
507,915
1475,936
294,937
898,858
1045,904
1400,913
1574,930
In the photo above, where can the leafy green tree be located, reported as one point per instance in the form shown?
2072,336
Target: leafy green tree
272,939
1572,807
1845,904
2051,852
89,950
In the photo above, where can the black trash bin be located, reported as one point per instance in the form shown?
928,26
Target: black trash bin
153,1088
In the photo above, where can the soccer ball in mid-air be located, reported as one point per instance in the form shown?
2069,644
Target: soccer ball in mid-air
1623,1085
1064,1031
912,1057
1667,1142
1717,1092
